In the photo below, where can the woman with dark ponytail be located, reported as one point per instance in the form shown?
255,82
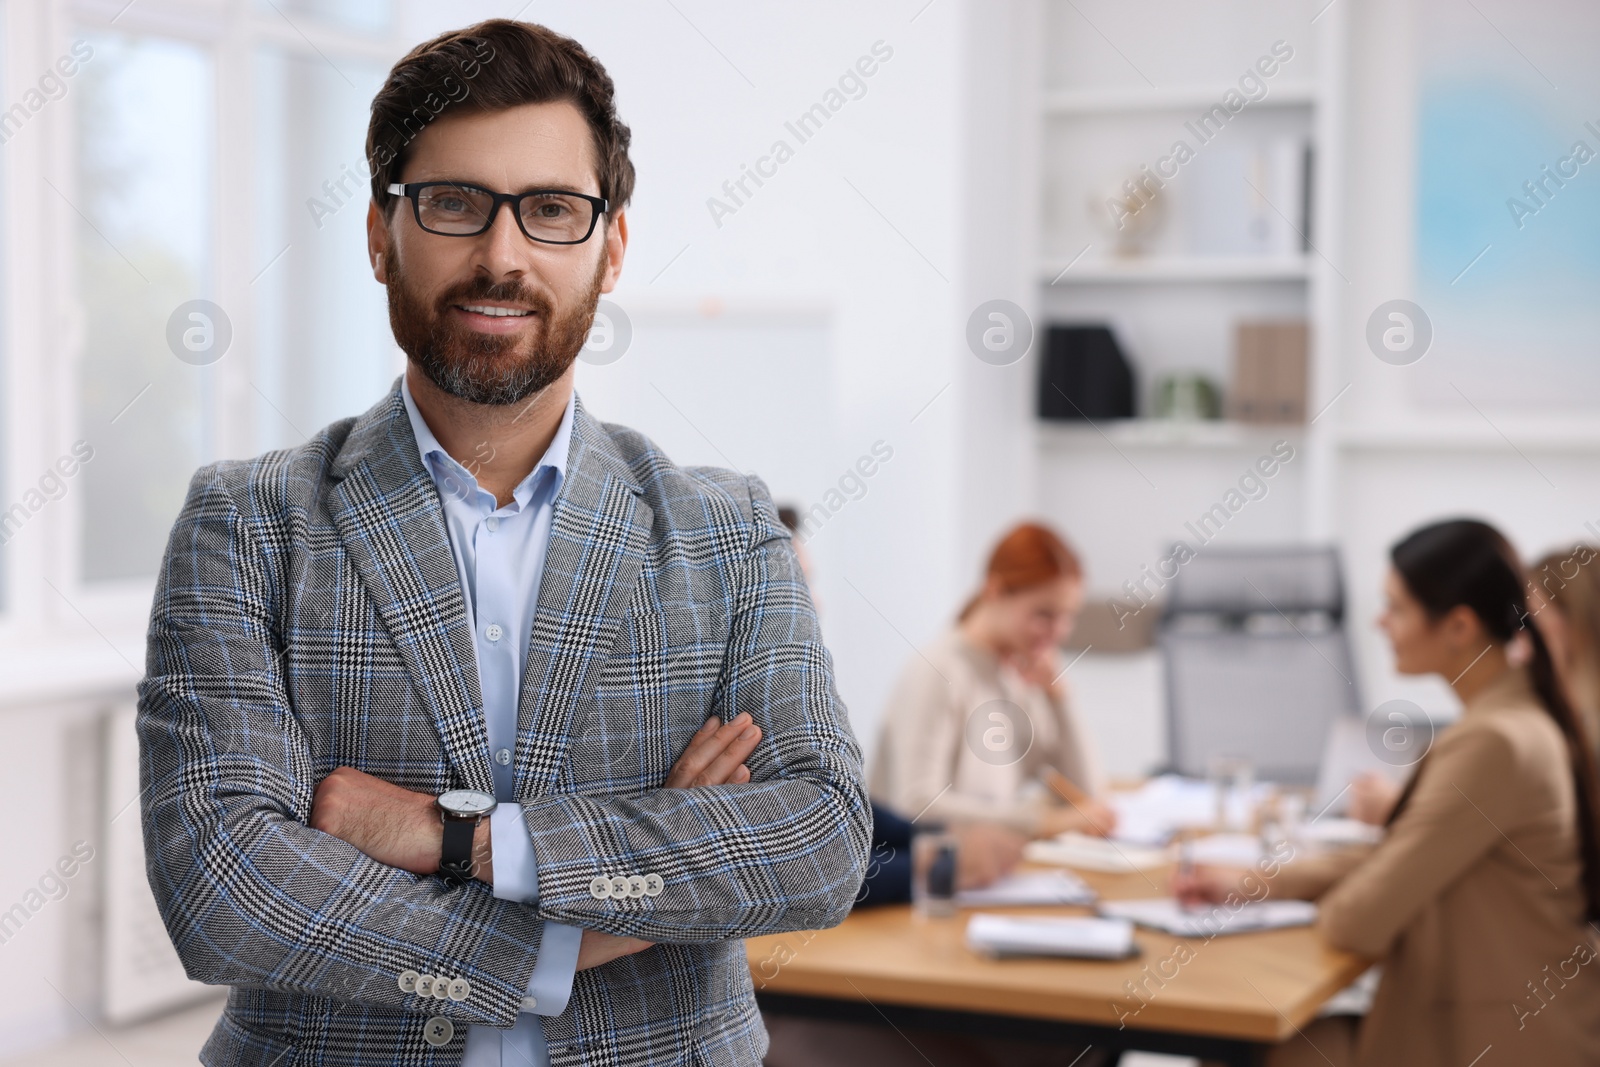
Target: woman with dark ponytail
1483,897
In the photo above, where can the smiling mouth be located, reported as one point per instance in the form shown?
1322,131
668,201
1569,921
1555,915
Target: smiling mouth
495,312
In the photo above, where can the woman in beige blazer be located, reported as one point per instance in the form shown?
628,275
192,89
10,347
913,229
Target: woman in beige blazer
1564,595
1479,900
979,713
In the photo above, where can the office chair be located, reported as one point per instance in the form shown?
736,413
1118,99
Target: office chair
1257,662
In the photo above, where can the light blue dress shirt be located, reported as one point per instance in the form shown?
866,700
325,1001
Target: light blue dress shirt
500,558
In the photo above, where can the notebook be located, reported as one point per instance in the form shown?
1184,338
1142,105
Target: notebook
1029,887
1080,938
1166,914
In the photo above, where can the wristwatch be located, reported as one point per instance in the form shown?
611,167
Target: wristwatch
461,809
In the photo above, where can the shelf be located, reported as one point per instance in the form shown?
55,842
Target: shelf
1169,269
1508,433
1105,101
1168,433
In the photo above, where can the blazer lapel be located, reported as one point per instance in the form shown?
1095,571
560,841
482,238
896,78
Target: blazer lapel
389,517
598,539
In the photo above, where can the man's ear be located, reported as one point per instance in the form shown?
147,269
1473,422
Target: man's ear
377,242
616,235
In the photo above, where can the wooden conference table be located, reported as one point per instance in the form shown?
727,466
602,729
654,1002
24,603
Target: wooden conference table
1236,995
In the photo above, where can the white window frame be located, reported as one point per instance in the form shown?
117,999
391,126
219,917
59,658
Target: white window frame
58,632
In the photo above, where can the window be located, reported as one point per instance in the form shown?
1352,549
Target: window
143,195
324,349
203,151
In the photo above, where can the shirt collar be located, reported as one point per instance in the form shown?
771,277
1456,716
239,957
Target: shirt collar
434,456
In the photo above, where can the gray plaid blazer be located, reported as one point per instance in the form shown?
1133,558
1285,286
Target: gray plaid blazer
308,616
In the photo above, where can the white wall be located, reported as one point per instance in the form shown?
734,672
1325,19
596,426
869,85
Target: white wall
825,313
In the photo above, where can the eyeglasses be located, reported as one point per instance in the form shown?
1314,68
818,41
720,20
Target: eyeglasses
457,209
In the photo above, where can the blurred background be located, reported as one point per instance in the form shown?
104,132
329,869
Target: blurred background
1377,255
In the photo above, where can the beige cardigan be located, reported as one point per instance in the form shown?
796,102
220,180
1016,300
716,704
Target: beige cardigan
931,759
1473,901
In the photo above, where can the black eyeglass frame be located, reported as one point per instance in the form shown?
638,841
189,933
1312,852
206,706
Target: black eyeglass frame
412,191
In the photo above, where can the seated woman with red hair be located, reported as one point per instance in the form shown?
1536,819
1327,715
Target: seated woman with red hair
978,715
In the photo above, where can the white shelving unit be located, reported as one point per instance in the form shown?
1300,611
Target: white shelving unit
1123,99
1105,109
1185,268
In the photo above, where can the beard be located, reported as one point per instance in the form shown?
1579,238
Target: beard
488,368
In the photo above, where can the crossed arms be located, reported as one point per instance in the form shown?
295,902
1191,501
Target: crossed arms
254,895
401,828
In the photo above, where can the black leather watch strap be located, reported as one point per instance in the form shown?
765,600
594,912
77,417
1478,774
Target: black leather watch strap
455,859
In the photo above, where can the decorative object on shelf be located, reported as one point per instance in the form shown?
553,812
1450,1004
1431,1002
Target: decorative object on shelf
1270,372
1187,396
1084,375
1128,212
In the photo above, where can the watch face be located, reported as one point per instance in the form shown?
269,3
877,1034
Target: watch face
466,802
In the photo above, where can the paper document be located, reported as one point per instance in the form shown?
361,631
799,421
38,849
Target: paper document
1227,850
1166,914
1088,938
1030,887
1094,854
1331,831
1151,814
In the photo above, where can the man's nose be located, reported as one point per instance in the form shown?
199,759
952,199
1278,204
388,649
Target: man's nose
503,247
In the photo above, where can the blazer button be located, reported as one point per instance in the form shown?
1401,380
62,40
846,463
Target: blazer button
438,1030
441,988
460,989
619,887
599,888
636,886
424,986
408,981
653,884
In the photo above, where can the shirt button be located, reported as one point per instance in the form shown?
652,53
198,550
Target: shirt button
503,757
530,1003
491,524
493,631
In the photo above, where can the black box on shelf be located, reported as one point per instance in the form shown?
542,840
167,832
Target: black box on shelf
1084,375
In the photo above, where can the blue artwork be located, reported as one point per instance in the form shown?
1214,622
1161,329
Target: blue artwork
1507,225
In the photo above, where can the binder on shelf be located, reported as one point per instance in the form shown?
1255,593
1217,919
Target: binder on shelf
1084,375
1269,372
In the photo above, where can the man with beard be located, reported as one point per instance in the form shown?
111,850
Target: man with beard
475,730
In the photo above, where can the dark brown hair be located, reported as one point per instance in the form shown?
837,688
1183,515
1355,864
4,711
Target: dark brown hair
1463,561
1027,557
492,66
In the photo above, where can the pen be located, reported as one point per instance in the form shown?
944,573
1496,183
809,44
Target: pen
1186,867
1062,786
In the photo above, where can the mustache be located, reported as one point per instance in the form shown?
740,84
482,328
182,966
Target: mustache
481,290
